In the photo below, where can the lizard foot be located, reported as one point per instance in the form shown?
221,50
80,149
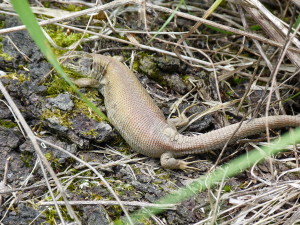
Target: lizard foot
182,120
168,161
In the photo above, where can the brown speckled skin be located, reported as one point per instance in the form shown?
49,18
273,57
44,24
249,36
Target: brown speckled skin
141,123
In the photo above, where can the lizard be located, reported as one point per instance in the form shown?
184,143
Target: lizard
138,119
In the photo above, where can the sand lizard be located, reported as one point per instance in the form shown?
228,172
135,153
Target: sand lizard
142,124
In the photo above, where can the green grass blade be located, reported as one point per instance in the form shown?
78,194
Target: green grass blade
233,168
167,21
28,19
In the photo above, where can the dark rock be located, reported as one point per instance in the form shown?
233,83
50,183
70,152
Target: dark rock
39,69
9,142
146,188
31,87
168,64
92,130
149,67
176,83
79,141
55,124
22,40
95,215
23,215
62,101
9,139
5,112
55,153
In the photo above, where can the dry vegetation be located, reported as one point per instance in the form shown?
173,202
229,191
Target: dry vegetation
240,60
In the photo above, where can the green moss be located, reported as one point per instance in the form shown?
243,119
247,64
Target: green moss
27,158
135,65
5,56
96,197
53,160
74,8
82,107
124,150
58,85
60,36
229,93
185,77
227,188
2,24
46,4
15,76
148,66
62,116
52,216
238,80
91,132
7,124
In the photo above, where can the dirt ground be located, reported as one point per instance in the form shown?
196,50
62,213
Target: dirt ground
240,40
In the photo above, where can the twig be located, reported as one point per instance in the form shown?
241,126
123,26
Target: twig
108,202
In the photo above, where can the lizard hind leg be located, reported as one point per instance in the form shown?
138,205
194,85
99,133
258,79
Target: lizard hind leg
181,120
168,161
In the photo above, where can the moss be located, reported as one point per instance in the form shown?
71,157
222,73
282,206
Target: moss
96,197
60,36
52,216
148,66
7,124
82,107
2,24
227,188
27,158
91,132
15,76
74,8
62,116
238,80
124,150
185,77
135,65
58,85
229,93
4,55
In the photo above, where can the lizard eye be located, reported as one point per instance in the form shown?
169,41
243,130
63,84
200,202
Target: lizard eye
76,59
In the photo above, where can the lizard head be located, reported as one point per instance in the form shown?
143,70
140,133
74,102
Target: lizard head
80,62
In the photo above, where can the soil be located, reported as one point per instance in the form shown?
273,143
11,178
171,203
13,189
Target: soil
57,115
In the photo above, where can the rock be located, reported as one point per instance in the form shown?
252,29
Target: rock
23,41
39,69
23,215
168,64
9,139
95,215
148,66
55,124
91,129
62,101
176,83
5,112
56,154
